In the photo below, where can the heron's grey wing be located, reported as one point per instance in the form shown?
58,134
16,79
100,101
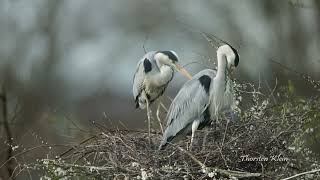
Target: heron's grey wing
139,76
138,79
188,105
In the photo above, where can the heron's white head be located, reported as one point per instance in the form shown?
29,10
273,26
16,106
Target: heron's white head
222,95
170,58
225,49
231,54
166,58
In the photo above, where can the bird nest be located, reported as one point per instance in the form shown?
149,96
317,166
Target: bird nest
267,141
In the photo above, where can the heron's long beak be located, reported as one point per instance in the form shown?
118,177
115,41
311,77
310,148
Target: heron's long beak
183,71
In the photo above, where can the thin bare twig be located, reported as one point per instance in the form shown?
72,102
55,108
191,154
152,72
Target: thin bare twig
31,149
149,121
228,173
144,42
302,174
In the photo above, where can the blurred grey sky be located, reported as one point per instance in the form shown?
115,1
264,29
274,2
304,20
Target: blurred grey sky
79,56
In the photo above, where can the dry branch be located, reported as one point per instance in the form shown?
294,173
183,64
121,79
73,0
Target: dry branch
263,130
9,140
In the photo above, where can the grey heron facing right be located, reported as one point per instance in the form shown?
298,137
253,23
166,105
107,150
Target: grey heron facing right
202,98
154,72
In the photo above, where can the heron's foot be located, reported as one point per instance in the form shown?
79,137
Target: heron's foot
189,146
217,121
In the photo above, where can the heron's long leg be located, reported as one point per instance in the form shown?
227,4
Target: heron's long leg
217,119
204,141
149,117
225,132
164,107
191,141
194,127
158,116
149,121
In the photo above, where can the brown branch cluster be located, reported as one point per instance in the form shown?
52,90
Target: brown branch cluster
266,141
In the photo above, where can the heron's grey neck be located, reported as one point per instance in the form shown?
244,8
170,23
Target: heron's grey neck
222,63
159,63
162,78
219,86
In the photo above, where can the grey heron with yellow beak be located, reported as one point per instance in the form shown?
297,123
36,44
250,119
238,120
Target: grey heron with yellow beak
153,74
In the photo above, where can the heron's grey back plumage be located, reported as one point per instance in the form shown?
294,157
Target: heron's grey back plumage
189,104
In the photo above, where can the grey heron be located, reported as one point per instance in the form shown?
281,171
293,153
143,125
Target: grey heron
154,72
202,98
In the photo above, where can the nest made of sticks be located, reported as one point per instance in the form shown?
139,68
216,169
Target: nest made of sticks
267,141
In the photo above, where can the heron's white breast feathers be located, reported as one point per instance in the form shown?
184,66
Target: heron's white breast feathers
161,78
153,82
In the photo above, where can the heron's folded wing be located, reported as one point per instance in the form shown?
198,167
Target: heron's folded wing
138,79
187,106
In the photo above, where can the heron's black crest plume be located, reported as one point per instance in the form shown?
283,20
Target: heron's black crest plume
237,59
171,55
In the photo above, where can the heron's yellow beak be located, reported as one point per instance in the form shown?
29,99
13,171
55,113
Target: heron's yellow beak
183,71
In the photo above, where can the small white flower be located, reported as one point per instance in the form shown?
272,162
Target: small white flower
212,174
292,148
45,178
204,170
59,172
45,161
14,148
135,164
144,175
